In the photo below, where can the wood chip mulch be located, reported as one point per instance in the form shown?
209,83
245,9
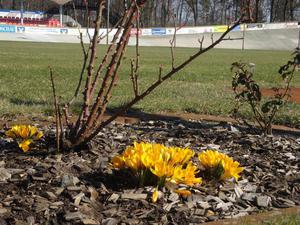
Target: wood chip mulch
46,187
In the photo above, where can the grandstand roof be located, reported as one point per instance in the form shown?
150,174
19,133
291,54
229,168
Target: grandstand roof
61,2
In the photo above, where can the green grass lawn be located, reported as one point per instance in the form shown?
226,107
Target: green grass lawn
203,87
288,220
293,219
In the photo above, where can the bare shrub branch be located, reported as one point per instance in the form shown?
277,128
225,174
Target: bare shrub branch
58,121
102,78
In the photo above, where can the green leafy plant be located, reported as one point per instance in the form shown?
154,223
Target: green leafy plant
247,91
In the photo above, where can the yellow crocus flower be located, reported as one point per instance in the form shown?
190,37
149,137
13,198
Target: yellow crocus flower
118,162
189,177
24,145
155,195
24,132
231,169
162,169
10,133
210,158
24,135
213,160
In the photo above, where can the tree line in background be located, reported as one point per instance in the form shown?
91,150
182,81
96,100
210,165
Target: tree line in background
161,13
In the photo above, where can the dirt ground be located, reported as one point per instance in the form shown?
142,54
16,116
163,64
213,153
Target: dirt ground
294,94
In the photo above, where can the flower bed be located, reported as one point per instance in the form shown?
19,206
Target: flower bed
82,188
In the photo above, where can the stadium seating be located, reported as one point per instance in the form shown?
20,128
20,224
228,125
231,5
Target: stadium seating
30,21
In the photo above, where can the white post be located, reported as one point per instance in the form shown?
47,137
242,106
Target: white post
22,12
61,15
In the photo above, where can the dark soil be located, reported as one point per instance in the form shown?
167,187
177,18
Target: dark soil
46,187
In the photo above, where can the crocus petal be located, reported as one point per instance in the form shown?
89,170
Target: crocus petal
183,192
24,145
155,195
117,162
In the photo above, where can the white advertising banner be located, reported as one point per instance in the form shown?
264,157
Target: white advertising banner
146,32
45,30
170,31
292,25
274,26
189,30
76,32
254,26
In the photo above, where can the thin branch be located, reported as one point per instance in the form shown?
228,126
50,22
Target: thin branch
60,123
173,44
94,43
160,72
56,107
104,60
133,77
111,74
76,93
283,95
114,76
154,85
88,19
201,42
137,50
85,58
101,37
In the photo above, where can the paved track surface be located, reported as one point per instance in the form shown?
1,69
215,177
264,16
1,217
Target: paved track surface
279,39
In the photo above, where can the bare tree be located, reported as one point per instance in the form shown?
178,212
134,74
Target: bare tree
101,79
256,11
194,6
293,5
179,10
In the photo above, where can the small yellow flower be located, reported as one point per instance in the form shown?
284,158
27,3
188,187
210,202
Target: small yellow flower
181,156
10,133
231,169
162,169
187,175
220,165
24,145
24,131
118,162
155,195
178,175
38,135
151,154
24,135
210,158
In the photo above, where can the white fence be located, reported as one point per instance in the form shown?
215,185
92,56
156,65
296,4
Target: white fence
147,31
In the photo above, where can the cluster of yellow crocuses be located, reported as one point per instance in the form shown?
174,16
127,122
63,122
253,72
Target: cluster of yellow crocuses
24,135
174,165
219,166
167,163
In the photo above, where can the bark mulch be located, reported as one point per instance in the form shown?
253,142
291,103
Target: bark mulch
46,187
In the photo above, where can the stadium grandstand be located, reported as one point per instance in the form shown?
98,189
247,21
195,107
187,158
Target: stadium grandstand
51,13
54,13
